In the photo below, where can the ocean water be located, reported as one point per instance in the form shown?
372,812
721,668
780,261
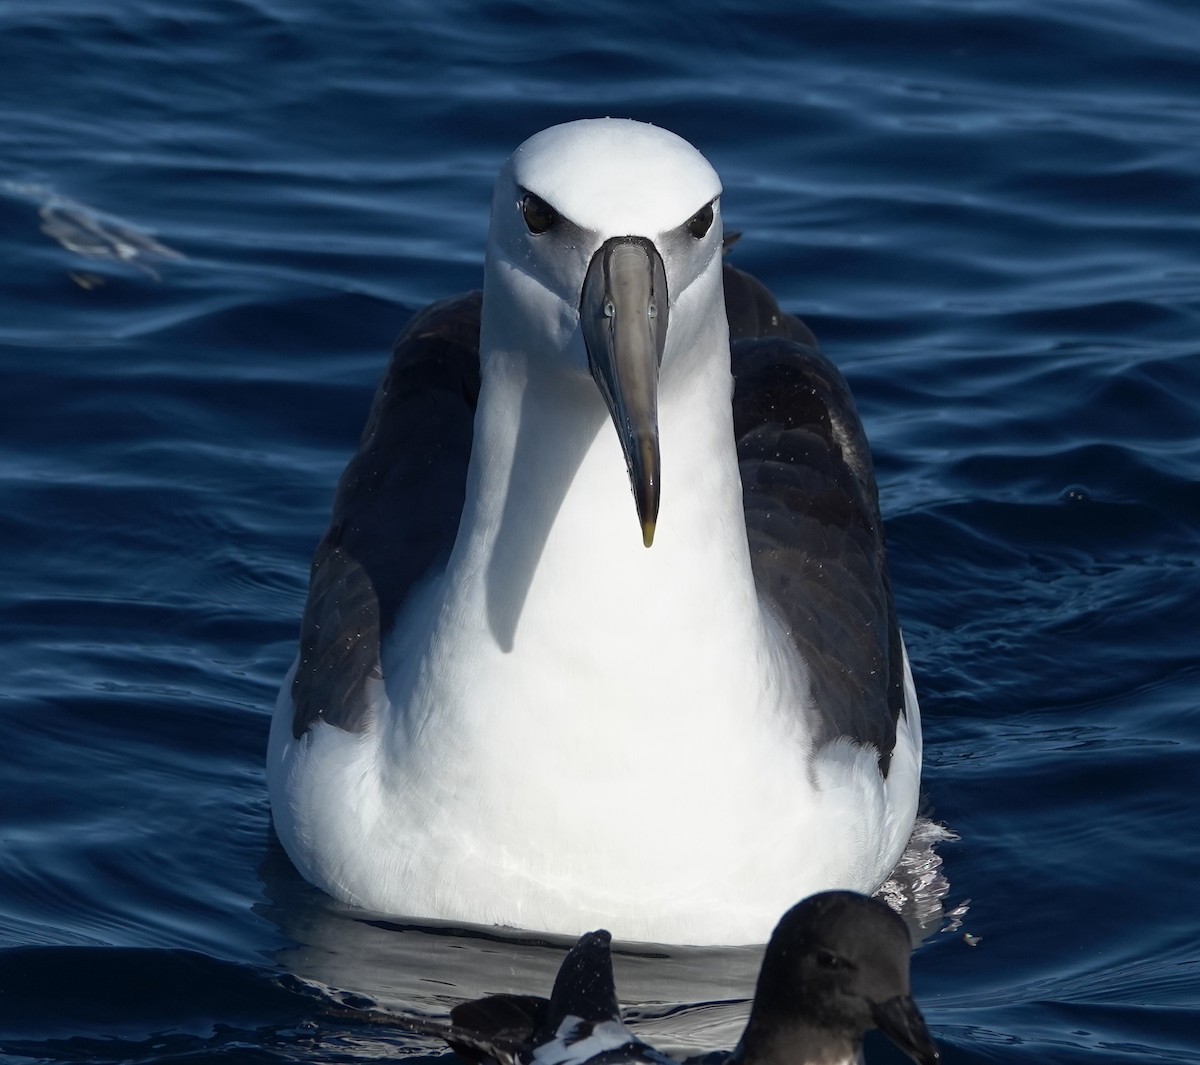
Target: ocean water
214,218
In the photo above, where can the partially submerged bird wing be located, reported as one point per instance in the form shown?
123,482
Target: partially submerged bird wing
579,1022
497,1027
583,1022
395,515
812,519
585,987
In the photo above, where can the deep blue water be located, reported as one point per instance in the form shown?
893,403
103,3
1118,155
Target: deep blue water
214,218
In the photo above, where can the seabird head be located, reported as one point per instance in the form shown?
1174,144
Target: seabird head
601,230
835,967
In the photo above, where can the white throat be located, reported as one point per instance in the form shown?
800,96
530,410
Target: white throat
549,571
554,634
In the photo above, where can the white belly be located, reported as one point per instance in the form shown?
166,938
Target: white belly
703,832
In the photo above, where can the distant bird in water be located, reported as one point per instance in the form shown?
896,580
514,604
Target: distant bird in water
505,709
836,966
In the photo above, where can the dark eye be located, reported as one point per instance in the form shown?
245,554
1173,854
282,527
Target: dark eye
826,959
539,215
699,223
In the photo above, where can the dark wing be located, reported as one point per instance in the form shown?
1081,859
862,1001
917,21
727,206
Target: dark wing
584,991
498,1026
812,518
584,987
407,482
583,1023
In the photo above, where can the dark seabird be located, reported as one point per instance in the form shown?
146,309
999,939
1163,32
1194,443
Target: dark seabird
836,966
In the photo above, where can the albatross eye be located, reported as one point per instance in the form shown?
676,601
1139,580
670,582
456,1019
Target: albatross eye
539,215
700,222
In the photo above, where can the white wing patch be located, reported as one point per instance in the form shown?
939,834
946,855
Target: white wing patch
579,1042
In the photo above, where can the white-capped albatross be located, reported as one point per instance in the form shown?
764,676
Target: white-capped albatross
505,709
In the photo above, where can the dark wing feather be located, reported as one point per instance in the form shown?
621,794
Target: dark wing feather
813,522
409,478
498,1026
585,987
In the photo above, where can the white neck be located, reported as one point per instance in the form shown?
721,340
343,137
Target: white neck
550,600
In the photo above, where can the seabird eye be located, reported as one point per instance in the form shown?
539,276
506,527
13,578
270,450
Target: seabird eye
539,215
700,222
826,959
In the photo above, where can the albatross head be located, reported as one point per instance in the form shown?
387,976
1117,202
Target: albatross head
601,229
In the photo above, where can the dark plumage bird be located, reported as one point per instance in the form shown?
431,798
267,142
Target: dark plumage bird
836,966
